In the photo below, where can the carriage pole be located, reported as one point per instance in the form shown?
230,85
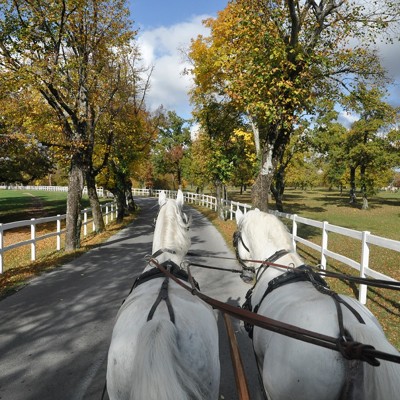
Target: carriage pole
240,377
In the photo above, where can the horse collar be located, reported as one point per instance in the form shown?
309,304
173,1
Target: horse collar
276,256
161,251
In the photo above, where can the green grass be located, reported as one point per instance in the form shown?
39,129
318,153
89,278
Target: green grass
382,218
16,205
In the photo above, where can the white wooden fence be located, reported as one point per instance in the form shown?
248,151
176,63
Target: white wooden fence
100,191
109,212
366,238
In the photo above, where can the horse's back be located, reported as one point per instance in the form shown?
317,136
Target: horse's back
161,359
300,363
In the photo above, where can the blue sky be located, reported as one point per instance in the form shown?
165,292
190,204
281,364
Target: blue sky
167,26
154,13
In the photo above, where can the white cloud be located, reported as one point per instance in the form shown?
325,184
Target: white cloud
346,118
161,48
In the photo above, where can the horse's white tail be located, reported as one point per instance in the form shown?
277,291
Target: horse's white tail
159,371
382,382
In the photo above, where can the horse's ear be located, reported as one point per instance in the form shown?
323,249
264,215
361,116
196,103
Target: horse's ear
162,198
239,216
179,198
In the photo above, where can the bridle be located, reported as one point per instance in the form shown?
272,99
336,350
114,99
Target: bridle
237,237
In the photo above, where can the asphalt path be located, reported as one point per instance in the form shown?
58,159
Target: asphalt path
55,332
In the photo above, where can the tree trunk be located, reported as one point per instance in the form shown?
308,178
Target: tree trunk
353,199
278,188
363,188
131,206
94,203
262,185
365,202
259,191
121,204
74,218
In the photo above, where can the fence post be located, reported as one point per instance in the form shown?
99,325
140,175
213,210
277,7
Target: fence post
112,212
324,244
107,214
1,248
58,232
362,294
294,231
33,237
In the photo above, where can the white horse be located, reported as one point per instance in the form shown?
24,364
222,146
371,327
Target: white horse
293,369
164,344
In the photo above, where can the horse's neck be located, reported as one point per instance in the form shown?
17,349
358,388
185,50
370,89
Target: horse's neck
163,251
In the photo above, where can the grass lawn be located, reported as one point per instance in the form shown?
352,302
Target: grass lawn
18,205
382,218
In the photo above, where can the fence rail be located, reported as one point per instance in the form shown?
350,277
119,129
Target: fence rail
109,212
100,191
366,238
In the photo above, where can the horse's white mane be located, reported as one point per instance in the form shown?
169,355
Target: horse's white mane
266,226
172,227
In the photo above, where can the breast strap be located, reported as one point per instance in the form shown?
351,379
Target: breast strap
306,274
153,273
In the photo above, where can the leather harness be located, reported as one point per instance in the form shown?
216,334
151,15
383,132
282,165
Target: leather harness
303,273
154,273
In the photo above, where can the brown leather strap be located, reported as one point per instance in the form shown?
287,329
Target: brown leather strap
162,295
369,352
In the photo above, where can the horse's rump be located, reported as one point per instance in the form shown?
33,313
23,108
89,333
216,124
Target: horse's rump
160,371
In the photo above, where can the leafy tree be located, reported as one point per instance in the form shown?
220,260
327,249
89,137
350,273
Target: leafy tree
245,160
275,59
368,146
69,52
364,154
172,144
221,145
22,159
125,134
327,141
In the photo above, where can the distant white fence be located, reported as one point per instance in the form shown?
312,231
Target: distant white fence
109,212
100,191
366,238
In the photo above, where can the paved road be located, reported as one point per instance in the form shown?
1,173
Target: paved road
55,333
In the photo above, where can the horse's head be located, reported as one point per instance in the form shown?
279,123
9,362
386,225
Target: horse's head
259,237
242,249
172,226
